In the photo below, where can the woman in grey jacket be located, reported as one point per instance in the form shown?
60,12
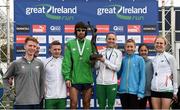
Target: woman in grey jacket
143,51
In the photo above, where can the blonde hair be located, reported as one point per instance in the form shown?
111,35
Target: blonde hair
31,39
160,37
130,41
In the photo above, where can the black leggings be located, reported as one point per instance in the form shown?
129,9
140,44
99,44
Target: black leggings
129,101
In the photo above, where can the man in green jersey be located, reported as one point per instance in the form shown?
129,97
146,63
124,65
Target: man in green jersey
76,67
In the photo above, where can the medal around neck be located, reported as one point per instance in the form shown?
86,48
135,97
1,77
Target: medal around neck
81,50
80,58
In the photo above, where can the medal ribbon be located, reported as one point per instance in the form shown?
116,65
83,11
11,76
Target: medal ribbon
79,48
109,55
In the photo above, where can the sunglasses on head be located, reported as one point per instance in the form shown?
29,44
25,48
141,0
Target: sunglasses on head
79,29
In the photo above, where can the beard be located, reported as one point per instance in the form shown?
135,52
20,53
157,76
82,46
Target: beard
81,36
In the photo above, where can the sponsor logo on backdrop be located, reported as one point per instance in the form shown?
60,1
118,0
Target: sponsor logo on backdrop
42,58
100,47
121,47
134,28
55,37
120,39
20,39
151,57
118,28
67,102
149,28
42,50
101,39
23,28
69,28
55,28
38,28
20,49
117,103
68,37
123,12
53,12
136,38
40,38
149,38
136,51
91,102
151,49
102,28
18,57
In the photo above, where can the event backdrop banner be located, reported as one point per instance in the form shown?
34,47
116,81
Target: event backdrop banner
49,20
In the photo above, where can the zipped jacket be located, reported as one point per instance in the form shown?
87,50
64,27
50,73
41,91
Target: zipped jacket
76,68
29,78
107,70
165,73
149,74
55,83
132,75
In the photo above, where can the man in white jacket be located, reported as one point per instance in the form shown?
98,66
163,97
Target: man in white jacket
55,97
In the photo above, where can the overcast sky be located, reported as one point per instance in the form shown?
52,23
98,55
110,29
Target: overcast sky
168,2
3,2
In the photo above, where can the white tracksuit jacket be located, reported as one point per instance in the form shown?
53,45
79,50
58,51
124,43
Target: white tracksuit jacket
164,65
55,83
107,70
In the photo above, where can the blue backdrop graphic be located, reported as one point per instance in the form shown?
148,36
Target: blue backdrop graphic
49,20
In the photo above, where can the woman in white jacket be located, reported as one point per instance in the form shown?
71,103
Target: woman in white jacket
164,83
107,68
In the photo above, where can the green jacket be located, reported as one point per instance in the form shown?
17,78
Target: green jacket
77,70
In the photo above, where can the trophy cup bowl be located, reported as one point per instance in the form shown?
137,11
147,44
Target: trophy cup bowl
95,56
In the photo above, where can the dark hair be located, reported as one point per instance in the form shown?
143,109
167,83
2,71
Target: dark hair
80,25
31,39
111,32
141,45
56,42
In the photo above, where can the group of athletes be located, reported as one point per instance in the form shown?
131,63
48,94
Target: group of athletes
142,79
